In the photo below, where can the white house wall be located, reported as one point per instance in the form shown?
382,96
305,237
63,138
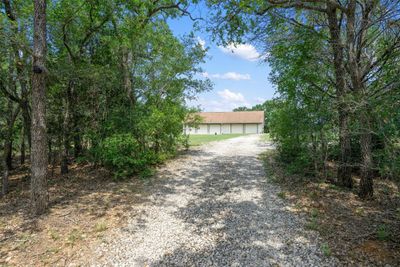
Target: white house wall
234,128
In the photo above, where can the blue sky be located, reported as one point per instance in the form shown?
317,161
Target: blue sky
240,78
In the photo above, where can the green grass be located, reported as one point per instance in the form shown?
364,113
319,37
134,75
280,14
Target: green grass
326,250
199,139
383,232
282,195
266,137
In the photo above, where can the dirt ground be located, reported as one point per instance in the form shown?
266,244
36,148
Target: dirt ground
84,206
357,232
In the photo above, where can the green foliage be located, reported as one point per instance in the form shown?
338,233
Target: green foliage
312,224
326,249
307,69
267,107
282,195
314,213
115,87
382,232
122,154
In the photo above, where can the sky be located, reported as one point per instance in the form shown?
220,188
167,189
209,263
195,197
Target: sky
239,76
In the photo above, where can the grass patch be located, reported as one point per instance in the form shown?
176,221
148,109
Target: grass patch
326,250
74,236
199,139
100,227
314,213
266,137
282,195
312,224
54,235
383,232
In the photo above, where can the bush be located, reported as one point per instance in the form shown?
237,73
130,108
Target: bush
298,159
122,154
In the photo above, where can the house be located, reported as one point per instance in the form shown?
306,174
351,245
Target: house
241,122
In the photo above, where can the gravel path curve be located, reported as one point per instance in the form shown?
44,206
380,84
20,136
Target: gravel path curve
213,207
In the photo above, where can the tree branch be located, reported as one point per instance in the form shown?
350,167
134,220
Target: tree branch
8,94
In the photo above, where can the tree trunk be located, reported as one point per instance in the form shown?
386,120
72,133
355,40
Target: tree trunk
49,149
39,194
127,60
27,121
4,186
8,144
77,136
64,147
6,160
366,183
344,170
359,87
66,131
8,148
316,155
324,154
22,150
7,154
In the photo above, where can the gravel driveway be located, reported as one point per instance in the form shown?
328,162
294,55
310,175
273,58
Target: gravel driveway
213,207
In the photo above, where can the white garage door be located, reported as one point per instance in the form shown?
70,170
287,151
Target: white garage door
203,129
237,128
251,128
215,129
226,129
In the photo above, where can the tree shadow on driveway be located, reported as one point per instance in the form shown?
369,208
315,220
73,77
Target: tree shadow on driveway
229,216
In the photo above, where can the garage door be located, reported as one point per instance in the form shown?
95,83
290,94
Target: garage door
250,128
215,129
226,129
237,128
203,129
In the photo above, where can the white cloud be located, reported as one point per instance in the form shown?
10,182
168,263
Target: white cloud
225,100
201,42
230,96
228,76
244,51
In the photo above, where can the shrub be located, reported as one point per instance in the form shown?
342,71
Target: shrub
122,154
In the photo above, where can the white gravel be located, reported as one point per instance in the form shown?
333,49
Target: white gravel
213,207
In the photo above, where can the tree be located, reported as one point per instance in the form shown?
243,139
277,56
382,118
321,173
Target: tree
105,88
352,29
39,157
241,109
267,107
17,39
